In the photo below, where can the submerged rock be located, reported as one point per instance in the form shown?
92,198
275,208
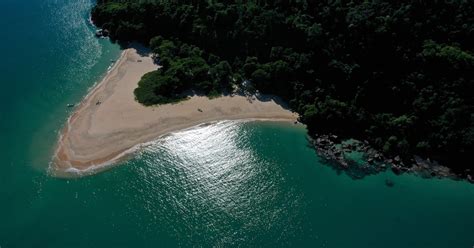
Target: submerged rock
334,150
389,183
470,178
100,33
396,169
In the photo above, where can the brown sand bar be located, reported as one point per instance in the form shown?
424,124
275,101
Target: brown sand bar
109,122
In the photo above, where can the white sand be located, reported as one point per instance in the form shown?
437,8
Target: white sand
98,135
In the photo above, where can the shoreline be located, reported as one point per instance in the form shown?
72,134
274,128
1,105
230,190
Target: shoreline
109,125
337,152
115,159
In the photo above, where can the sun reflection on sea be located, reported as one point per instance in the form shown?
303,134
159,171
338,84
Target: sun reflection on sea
211,159
214,168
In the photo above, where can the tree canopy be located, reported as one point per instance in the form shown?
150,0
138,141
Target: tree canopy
399,74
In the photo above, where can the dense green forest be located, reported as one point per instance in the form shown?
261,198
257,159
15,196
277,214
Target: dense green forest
399,74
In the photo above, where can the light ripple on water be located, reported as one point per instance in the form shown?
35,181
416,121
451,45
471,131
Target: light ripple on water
74,31
211,177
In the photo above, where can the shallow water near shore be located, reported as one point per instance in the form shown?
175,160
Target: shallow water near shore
230,183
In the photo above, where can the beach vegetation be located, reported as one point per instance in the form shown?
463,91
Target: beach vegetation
398,74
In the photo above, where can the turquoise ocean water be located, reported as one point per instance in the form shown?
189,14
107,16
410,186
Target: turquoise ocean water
225,184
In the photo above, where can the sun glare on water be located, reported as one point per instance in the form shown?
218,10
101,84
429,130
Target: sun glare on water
211,174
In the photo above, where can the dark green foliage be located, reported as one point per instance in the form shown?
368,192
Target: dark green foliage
156,88
399,74
183,68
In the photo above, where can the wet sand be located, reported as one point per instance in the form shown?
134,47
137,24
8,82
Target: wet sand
109,123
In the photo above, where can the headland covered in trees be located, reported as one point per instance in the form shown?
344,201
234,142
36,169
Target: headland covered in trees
398,75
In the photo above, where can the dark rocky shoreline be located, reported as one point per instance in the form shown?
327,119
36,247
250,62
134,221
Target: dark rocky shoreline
337,153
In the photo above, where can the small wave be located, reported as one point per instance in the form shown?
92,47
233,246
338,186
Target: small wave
201,129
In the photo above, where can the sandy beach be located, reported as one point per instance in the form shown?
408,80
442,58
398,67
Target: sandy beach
109,122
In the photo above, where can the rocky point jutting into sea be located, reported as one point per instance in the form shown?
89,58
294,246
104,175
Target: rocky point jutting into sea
337,152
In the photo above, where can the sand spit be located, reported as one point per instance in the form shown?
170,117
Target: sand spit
109,123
